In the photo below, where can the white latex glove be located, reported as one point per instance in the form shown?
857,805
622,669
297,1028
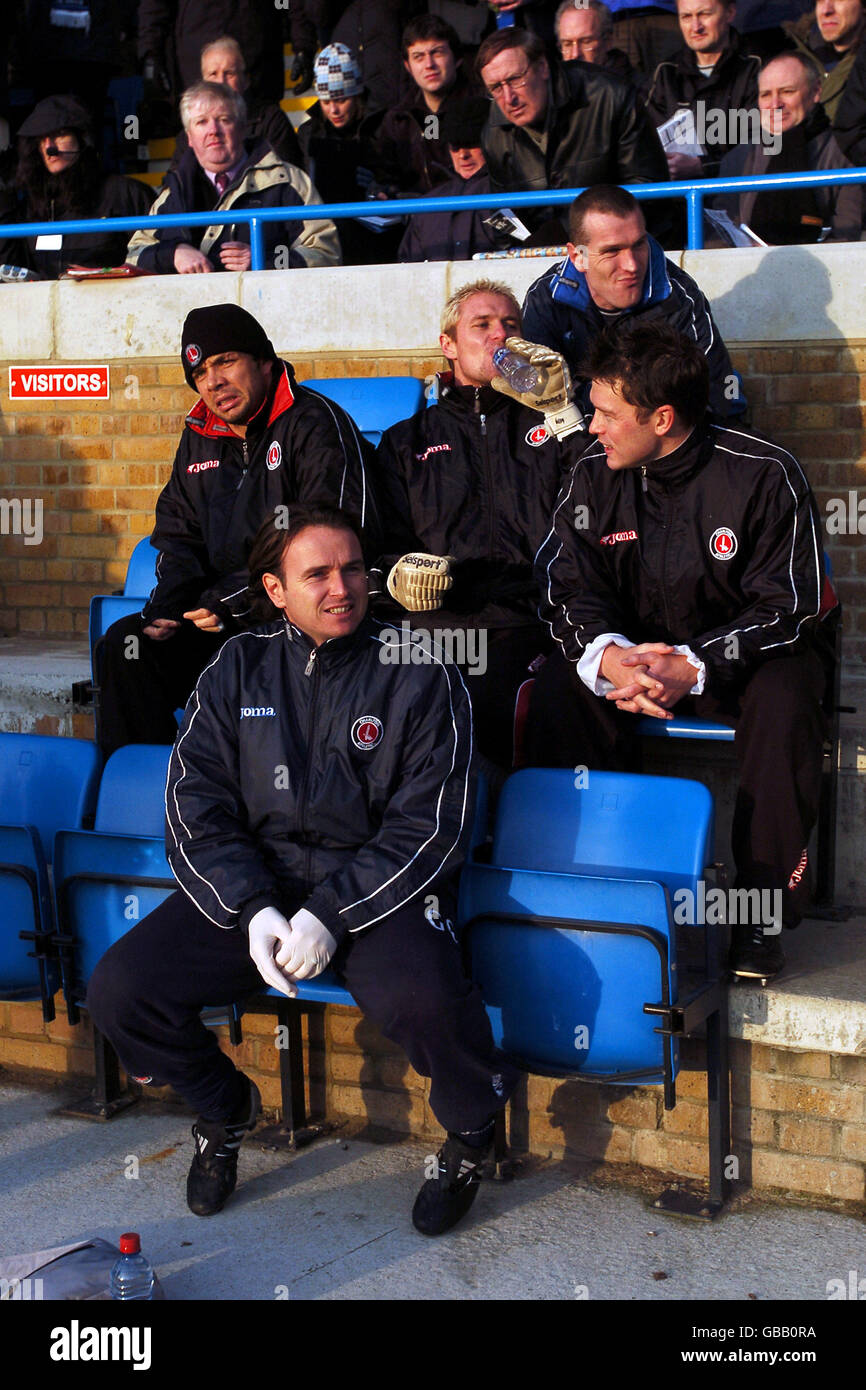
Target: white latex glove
553,394
418,581
268,931
308,948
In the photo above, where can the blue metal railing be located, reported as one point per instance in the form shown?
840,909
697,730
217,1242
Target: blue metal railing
693,191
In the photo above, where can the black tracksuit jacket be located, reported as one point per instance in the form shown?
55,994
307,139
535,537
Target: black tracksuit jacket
475,477
319,777
301,447
725,541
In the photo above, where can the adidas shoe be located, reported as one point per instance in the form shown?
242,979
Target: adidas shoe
214,1171
445,1199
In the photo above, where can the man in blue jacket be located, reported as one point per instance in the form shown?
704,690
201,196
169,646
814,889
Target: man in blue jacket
319,805
615,269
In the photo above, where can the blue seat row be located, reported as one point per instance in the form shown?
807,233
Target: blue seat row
566,916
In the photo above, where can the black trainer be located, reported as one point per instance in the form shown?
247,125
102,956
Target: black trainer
755,955
445,1199
214,1171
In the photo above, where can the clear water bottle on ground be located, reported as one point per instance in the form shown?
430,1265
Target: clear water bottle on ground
132,1274
517,370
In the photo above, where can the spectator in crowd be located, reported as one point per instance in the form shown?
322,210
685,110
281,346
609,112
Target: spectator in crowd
693,582
220,171
351,860
223,61
456,236
584,30
710,73
337,140
831,35
412,155
370,28
172,34
58,178
468,485
254,425
76,54
647,33
798,137
535,15
616,270
566,127
849,126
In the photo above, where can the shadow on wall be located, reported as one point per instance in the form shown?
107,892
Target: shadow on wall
806,389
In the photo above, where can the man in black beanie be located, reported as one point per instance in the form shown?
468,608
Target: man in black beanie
255,443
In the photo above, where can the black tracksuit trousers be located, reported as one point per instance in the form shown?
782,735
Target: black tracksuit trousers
405,973
142,681
780,727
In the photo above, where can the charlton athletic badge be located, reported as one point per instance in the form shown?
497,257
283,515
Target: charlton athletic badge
367,731
275,456
723,544
192,353
537,435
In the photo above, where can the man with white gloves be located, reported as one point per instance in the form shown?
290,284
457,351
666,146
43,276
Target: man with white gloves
319,805
467,489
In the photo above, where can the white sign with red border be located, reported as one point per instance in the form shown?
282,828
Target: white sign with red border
73,383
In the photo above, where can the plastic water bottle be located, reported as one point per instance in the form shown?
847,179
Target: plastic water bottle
132,1274
518,371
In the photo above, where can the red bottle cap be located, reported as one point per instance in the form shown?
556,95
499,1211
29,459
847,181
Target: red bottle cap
130,1243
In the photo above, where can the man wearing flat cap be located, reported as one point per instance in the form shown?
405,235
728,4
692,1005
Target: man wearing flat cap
254,444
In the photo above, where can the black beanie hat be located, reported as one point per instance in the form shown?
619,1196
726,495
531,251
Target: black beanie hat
463,121
221,328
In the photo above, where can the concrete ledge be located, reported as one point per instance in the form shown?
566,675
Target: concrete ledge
781,294
819,1003
36,679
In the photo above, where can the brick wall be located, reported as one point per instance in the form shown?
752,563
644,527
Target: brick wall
798,1118
99,469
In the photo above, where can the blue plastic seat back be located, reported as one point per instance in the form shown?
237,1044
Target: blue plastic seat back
374,403
568,999
105,884
141,570
617,823
110,878
48,783
24,906
132,791
106,609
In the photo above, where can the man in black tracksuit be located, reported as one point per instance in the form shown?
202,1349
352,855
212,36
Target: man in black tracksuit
473,480
697,549
255,443
319,805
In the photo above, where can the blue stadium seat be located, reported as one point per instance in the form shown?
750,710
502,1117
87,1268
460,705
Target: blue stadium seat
45,783
570,932
612,823
108,878
141,570
374,403
106,609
